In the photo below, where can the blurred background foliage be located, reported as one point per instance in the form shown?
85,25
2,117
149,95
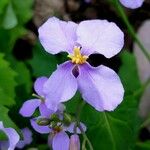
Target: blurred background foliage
22,60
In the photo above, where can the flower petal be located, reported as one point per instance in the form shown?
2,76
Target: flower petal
61,108
38,128
74,142
44,111
28,107
56,35
60,141
61,86
100,87
71,128
132,4
12,135
27,138
38,85
106,38
4,145
50,139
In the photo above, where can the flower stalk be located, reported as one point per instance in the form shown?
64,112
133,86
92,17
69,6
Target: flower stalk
86,138
78,113
130,29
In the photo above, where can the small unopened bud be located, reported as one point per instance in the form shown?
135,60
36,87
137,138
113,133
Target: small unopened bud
54,117
74,142
67,118
43,121
53,124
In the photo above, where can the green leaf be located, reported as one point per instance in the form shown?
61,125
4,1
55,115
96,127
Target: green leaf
43,147
128,73
3,4
23,10
23,74
4,117
15,12
72,104
5,40
116,130
143,145
7,83
43,63
10,19
16,33
113,132
9,37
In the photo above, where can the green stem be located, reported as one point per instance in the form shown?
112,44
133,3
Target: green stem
147,121
83,144
130,29
39,97
79,109
85,137
146,84
142,88
78,114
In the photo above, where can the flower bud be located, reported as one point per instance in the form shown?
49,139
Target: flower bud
43,121
74,142
54,117
67,118
53,124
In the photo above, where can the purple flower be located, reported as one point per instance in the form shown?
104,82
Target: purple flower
72,125
47,114
12,135
74,142
100,86
132,3
27,138
60,139
31,105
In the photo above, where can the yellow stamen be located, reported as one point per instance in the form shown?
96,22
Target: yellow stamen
77,58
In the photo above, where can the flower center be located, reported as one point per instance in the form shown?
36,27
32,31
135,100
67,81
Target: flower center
57,129
77,57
